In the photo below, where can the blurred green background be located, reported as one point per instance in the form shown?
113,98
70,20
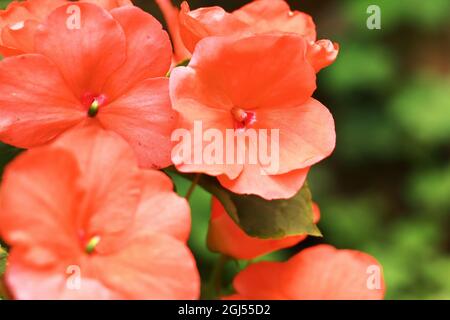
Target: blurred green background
386,188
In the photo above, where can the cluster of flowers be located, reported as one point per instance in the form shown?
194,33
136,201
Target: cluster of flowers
84,87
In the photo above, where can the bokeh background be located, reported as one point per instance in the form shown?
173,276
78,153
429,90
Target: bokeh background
386,188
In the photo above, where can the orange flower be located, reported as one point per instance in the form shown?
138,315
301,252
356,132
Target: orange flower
18,24
259,16
85,222
110,4
317,273
225,236
19,21
110,71
261,82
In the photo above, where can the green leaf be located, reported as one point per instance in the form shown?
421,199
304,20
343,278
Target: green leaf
262,218
276,218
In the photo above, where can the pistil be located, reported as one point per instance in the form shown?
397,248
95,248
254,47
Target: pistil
92,244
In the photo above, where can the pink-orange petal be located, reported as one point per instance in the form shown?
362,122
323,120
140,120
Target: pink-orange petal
210,21
322,53
198,115
246,71
260,281
21,36
188,87
35,103
153,267
269,187
9,52
111,180
64,279
14,12
110,4
40,9
87,44
18,24
323,272
306,133
42,218
317,273
193,152
276,16
160,209
149,52
144,118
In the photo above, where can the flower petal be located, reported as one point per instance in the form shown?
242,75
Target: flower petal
269,187
161,209
276,16
35,103
144,118
57,281
110,4
317,273
260,281
149,52
187,86
39,201
8,52
323,272
86,53
263,71
18,24
306,133
15,11
111,180
199,113
322,53
156,267
20,38
39,9
203,22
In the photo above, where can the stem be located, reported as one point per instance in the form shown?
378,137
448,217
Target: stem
193,185
215,283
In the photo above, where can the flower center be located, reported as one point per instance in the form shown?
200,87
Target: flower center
93,102
92,244
242,118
